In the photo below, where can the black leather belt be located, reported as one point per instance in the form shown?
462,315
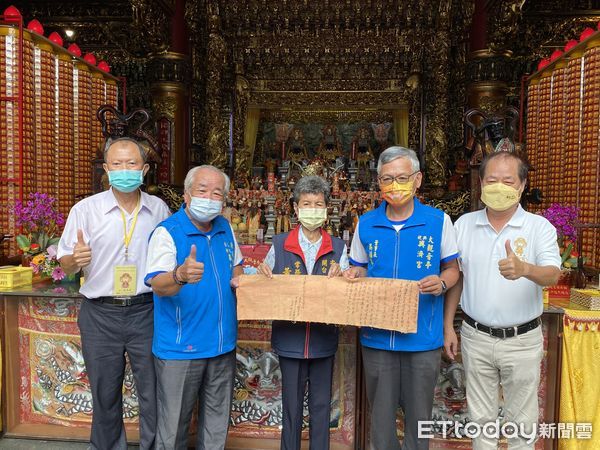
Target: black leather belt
503,333
125,300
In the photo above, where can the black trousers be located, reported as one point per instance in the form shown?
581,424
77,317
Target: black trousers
107,332
407,379
295,373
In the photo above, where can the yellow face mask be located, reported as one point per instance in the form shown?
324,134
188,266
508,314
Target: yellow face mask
312,218
499,196
397,194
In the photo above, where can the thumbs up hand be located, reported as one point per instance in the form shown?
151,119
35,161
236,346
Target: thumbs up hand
190,271
511,267
82,252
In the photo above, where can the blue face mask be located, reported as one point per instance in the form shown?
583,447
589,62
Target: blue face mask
126,180
204,209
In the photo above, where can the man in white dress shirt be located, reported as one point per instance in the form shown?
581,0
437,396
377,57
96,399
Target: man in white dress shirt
507,255
106,236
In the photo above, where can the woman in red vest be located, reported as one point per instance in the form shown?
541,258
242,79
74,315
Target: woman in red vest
306,350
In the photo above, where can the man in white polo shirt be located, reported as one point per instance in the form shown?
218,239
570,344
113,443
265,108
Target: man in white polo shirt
507,255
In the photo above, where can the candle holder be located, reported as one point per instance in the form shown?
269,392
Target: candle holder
284,170
335,219
271,217
373,173
353,172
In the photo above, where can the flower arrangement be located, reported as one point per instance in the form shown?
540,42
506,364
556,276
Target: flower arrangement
564,219
40,222
46,265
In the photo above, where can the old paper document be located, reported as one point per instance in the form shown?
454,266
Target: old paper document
374,302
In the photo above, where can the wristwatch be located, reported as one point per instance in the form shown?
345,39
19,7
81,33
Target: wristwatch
175,278
444,286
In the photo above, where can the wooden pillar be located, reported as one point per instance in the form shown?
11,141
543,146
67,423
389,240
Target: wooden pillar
170,87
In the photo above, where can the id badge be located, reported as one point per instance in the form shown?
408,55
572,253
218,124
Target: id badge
125,280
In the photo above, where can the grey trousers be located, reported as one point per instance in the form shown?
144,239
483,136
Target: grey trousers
183,383
407,379
107,332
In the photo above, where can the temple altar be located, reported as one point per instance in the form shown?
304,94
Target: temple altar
47,392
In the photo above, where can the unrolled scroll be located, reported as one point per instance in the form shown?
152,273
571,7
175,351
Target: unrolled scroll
375,302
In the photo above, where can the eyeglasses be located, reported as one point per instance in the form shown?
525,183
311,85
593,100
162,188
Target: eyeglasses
386,180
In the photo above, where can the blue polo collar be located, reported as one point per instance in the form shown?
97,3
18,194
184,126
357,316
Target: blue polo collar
218,224
416,219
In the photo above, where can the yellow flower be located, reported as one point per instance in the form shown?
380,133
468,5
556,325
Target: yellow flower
38,259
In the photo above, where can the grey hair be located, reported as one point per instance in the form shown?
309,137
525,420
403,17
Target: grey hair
392,153
523,167
189,178
311,184
111,141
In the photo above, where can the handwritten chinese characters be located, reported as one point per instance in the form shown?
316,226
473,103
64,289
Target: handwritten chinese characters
376,302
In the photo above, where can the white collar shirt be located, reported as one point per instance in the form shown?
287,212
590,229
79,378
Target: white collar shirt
310,250
487,296
100,219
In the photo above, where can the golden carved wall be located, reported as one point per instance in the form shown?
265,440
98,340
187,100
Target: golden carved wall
294,58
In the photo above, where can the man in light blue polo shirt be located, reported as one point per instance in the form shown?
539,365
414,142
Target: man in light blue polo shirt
192,258
404,239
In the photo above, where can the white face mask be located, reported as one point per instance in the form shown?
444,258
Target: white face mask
204,209
312,218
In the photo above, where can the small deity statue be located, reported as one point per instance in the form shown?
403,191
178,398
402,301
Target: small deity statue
490,132
335,185
253,221
343,181
361,148
270,164
330,147
257,183
227,210
296,146
241,180
282,131
458,180
355,213
381,132
283,217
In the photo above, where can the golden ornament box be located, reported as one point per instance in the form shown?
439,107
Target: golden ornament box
588,298
15,276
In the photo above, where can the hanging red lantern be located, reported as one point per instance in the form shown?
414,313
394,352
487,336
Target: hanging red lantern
36,27
586,34
543,63
570,44
75,50
12,14
102,65
90,58
56,38
555,55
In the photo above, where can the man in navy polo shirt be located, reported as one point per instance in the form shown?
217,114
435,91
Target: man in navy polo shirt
404,239
192,258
